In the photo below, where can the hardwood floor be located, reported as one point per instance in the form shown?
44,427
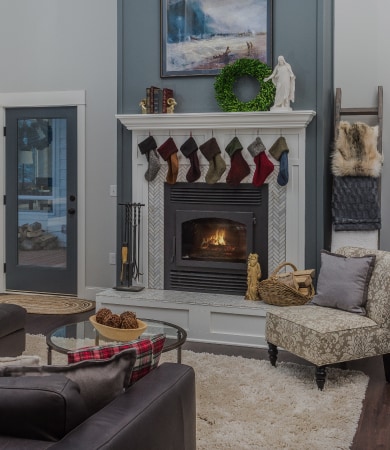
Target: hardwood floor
373,431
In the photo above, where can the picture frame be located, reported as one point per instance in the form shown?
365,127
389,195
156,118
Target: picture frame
200,37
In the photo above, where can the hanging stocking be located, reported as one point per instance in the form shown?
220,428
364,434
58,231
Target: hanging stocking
239,168
264,166
168,152
217,166
189,150
148,148
279,151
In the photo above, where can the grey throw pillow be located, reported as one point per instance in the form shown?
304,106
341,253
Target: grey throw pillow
343,282
100,381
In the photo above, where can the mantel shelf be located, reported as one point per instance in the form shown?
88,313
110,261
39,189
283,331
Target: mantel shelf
219,120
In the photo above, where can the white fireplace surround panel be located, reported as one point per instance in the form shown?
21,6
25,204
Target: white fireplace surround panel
289,221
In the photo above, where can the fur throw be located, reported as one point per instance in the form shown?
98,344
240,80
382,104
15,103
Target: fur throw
355,153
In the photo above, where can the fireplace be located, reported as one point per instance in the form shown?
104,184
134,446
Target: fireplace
286,204
209,230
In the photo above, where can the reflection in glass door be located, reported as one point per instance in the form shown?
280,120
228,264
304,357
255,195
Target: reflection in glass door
42,220
41,152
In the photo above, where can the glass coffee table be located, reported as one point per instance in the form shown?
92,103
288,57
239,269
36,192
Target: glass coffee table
83,334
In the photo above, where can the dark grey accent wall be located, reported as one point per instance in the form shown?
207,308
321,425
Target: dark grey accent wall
302,33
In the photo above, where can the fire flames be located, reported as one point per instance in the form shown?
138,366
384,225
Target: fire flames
218,238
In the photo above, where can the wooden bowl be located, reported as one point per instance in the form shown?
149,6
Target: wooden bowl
119,334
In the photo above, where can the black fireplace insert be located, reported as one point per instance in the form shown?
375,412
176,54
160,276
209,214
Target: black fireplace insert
209,231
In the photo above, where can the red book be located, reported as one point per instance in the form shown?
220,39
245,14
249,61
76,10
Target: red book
167,93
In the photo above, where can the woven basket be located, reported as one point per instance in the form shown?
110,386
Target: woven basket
274,292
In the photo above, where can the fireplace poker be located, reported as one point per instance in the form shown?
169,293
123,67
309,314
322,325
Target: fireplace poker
134,241
139,239
125,247
131,233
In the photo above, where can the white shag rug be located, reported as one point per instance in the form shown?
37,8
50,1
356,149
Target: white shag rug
246,404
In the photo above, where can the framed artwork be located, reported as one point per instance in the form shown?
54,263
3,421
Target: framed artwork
200,37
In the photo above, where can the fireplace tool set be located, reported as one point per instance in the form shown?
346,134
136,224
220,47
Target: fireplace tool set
130,246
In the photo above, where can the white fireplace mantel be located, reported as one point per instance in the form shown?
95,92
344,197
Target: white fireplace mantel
217,120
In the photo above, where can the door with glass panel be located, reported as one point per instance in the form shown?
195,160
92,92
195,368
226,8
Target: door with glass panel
41,203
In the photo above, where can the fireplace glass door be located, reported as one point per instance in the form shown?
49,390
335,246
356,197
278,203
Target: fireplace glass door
213,239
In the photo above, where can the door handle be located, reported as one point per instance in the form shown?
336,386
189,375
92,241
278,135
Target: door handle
71,211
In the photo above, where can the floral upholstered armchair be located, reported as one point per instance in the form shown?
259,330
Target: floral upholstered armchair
330,334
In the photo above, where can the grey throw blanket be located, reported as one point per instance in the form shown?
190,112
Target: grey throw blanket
355,204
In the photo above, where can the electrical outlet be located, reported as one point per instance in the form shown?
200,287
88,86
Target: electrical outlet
113,190
112,258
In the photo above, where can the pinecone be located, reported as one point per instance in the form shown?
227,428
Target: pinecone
112,320
102,314
128,314
129,322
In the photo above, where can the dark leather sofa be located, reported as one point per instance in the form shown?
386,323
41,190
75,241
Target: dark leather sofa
12,329
158,412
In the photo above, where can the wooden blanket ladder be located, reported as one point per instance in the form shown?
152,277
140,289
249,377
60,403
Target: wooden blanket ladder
377,111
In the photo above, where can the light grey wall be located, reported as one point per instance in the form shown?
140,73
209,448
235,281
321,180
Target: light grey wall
302,32
72,45
362,64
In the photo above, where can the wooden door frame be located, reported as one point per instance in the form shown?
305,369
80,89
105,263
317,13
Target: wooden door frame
50,99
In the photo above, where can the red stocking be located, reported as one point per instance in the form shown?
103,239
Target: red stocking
239,168
264,167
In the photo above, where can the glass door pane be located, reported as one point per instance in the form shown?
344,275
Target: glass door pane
42,217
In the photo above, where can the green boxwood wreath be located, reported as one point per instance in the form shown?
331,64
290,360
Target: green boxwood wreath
225,80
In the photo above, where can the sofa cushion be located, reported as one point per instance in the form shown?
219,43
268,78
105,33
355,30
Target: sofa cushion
148,354
40,408
343,282
13,344
99,381
12,318
325,335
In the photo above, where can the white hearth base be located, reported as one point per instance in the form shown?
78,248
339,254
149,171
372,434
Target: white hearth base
210,318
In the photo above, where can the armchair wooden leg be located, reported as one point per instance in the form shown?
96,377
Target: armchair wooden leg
386,365
320,377
272,353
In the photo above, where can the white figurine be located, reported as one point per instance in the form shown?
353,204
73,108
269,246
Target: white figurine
284,80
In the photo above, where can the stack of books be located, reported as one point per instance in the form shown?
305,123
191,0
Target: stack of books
156,99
